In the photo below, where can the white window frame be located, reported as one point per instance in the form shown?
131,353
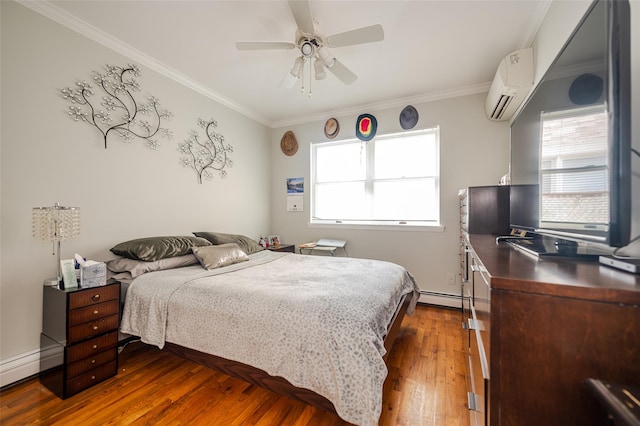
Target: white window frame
408,225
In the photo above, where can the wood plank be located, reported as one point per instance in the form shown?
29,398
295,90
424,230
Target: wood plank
425,386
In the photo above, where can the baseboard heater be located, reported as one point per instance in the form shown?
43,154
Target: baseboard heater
441,299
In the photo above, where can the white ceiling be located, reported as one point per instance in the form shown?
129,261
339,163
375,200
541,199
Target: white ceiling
431,49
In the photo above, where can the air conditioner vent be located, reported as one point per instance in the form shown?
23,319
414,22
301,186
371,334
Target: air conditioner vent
511,85
501,107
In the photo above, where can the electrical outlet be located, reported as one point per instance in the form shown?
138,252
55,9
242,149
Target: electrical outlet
451,279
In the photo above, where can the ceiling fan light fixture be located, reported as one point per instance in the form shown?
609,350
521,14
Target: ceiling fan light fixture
296,69
318,66
306,48
326,57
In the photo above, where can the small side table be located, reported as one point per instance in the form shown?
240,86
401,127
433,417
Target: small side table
324,245
290,248
79,339
327,249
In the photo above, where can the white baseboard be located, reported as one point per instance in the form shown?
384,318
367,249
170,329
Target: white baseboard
440,299
19,367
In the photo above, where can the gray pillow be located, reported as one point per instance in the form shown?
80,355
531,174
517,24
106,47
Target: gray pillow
247,245
156,248
139,267
212,257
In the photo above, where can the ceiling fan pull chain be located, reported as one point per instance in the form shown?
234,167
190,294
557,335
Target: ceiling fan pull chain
310,79
304,62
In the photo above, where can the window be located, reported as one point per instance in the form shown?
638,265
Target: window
392,179
573,167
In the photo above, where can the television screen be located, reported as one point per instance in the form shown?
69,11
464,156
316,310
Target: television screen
570,143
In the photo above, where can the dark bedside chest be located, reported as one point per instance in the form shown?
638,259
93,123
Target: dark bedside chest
282,247
79,339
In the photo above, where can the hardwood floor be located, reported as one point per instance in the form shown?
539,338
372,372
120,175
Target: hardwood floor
425,386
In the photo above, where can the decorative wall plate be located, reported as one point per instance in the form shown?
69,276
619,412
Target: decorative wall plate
408,117
331,128
288,143
366,127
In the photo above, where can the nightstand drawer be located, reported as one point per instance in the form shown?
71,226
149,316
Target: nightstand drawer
92,347
91,296
91,377
78,316
86,364
93,328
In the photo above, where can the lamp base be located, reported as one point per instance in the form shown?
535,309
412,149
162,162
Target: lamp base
52,282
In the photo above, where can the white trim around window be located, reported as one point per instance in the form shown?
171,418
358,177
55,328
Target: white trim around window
390,182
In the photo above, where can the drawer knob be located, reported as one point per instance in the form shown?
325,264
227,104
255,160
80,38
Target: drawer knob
93,361
96,312
95,346
96,297
93,377
95,327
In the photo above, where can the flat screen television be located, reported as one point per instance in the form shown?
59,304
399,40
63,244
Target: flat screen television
570,143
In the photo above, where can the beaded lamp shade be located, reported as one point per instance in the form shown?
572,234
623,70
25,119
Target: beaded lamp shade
55,223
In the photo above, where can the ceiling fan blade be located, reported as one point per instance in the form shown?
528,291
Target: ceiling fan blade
343,73
358,36
288,81
302,14
263,45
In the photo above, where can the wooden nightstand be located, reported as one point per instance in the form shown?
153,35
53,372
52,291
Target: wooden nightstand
291,248
79,339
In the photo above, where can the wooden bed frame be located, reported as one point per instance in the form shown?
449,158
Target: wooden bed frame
277,384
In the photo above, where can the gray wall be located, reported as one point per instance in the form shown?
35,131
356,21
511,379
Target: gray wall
126,191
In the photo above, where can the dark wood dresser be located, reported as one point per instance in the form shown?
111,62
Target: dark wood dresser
79,339
551,324
483,210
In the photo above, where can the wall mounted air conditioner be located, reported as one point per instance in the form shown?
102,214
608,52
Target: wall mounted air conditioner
511,85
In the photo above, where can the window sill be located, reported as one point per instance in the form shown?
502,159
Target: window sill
413,227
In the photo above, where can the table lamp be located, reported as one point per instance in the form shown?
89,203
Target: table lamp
55,223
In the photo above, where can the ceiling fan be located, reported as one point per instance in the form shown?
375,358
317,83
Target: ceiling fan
314,47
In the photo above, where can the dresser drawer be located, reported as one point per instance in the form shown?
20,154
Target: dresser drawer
91,377
86,364
92,347
93,328
94,295
88,313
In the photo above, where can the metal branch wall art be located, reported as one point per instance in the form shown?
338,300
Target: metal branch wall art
121,112
206,156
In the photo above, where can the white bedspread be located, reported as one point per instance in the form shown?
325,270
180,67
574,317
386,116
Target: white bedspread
317,321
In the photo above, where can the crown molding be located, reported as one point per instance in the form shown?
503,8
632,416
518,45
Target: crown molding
84,28
395,103
535,23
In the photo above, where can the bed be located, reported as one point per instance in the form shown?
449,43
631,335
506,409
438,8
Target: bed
315,328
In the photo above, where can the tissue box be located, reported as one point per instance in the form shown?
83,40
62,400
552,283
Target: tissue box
93,275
